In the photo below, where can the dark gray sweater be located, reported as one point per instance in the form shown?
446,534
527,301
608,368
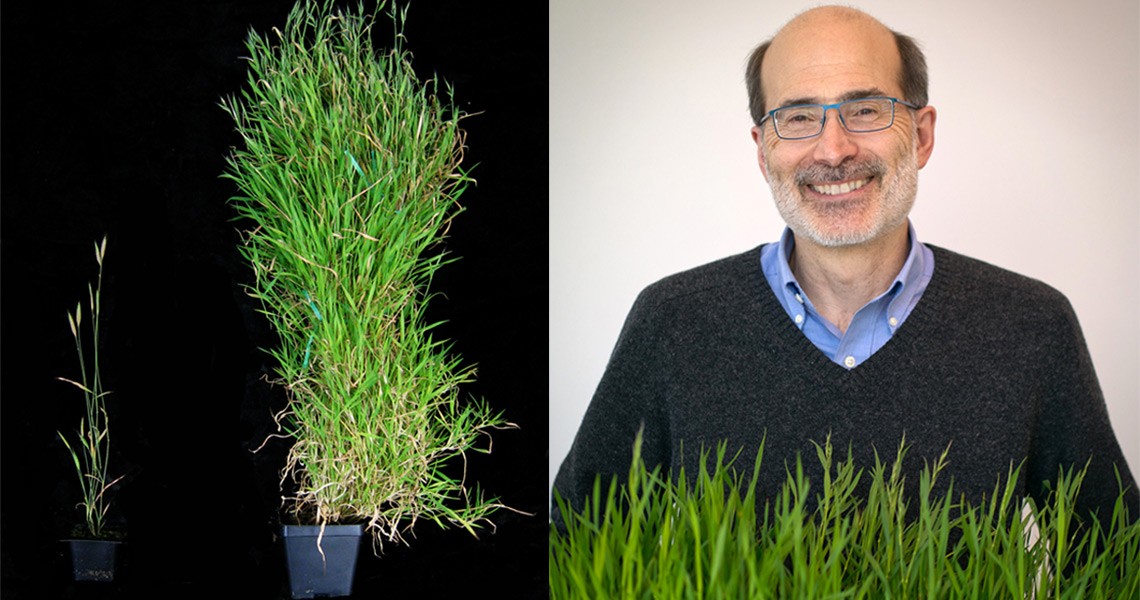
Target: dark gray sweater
991,363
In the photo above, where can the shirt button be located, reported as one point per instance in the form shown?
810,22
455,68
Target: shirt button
799,299
849,361
799,319
893,321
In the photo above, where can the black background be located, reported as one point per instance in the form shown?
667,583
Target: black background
111,125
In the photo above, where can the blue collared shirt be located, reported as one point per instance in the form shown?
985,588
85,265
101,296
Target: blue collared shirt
872,325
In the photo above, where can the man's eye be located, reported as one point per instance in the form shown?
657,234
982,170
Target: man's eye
863,111
800,118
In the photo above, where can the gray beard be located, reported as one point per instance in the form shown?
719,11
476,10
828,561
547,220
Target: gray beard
897,198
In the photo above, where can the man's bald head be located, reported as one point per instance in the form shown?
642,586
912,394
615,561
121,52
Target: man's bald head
821,34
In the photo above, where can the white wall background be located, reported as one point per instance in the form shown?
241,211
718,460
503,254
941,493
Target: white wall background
1036,164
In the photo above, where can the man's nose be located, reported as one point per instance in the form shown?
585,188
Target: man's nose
834,144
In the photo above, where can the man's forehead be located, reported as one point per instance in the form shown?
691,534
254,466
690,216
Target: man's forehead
833,82
853,94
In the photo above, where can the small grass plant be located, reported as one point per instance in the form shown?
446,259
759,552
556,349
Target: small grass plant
659,537
90,450
349,175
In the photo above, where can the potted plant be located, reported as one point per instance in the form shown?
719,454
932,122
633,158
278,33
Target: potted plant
94,545
348,176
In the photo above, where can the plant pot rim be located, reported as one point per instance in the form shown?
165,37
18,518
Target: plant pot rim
93,540
338,529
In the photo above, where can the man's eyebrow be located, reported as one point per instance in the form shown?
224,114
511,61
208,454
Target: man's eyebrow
851,95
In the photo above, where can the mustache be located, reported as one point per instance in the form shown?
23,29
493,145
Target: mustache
847,170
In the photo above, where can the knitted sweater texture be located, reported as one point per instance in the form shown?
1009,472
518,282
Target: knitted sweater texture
990,364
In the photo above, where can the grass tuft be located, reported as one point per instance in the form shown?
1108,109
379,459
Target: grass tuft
349,175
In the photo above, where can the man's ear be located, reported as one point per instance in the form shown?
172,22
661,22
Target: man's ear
758,139
924,127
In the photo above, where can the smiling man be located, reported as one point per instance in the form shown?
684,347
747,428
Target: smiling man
848,326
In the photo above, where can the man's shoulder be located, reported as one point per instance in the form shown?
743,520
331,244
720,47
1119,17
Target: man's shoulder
728,276
969,276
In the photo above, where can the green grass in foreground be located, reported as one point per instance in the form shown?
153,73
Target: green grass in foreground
660,537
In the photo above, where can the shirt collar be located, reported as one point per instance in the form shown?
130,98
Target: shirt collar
905,284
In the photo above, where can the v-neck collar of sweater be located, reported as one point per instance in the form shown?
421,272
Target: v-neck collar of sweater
879,364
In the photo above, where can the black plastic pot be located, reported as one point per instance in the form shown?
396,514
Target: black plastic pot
94,560
326,571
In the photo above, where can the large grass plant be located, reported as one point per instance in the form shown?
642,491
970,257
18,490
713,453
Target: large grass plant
660,537
348,176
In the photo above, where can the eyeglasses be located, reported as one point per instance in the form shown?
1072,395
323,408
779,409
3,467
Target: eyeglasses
862,115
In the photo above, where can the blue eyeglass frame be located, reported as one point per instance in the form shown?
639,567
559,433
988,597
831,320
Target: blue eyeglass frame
827,107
